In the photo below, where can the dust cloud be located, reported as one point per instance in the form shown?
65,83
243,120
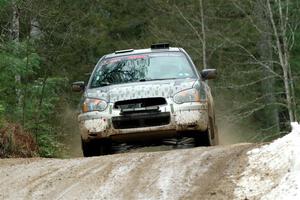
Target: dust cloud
70,134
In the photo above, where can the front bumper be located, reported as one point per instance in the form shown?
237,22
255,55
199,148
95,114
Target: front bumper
182,117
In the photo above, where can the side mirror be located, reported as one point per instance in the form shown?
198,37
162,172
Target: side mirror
207,74
78,86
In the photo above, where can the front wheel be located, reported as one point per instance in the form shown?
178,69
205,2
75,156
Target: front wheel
208,138
202,139
95,147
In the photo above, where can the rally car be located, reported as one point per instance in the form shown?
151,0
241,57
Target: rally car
142,94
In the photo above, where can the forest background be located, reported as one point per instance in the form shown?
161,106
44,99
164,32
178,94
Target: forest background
46,45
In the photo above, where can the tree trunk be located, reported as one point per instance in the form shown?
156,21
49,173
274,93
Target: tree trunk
265,51
15,36
203,35
282,49
35,32
15,25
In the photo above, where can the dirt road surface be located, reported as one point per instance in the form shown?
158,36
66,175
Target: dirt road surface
243,172
197,173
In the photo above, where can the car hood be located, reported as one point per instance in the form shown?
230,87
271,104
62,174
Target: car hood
138,90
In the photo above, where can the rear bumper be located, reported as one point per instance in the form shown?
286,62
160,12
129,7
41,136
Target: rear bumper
171,119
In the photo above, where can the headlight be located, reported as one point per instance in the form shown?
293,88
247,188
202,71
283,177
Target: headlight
90,104
191,95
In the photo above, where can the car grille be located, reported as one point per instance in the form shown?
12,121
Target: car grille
139,120
140,103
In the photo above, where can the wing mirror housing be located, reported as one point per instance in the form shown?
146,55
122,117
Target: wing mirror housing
208,74
78,86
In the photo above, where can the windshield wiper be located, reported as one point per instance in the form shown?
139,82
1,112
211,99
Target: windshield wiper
104,83
155,79
144,79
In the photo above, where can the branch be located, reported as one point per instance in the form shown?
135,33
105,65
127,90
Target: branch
253,57
248,16
247,84
190,24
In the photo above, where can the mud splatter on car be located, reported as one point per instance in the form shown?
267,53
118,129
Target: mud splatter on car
144,94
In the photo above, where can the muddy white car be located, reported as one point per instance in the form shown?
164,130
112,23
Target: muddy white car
145,94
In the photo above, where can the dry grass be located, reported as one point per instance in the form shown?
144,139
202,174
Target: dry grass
15,142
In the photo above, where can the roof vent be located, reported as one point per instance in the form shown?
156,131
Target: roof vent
124,51
160,46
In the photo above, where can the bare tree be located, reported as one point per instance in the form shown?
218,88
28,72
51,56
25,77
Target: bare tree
203,34
15,36
256,61
282,48
265,51
270,28
15,24
195,26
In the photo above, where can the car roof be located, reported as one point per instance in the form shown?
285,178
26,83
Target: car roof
140,51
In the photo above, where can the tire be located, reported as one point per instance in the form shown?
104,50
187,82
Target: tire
208,138
87,148
95,147
202,139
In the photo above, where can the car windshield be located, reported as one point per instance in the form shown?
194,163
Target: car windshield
142,67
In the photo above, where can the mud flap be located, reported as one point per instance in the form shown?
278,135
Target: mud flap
211,128
213,132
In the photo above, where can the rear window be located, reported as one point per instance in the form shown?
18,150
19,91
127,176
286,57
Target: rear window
142,67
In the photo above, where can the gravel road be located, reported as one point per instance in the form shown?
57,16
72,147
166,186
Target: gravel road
242,172
196,173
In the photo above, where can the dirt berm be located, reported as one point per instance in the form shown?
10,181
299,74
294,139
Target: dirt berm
197,173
